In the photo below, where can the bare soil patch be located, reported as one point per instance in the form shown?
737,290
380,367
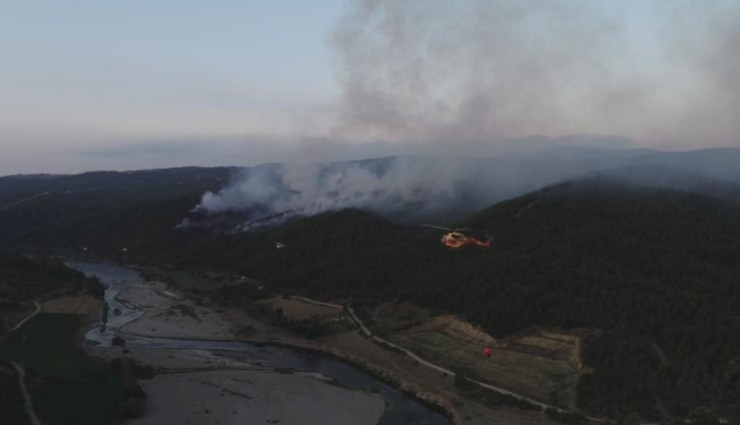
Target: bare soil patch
298,310
83,304
541,364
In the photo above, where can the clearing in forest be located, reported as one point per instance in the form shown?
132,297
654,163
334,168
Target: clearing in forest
540,364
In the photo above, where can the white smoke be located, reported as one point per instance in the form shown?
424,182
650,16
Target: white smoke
405,188
382,186
430,70
477,77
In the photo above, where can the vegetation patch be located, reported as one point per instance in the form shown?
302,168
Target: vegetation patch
23,278
187,310
188,280
311,328
62,380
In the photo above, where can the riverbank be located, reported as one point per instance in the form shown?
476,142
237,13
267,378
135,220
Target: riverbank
253,396
196,386
164,316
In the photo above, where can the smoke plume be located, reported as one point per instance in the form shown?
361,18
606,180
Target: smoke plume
479,78
429,70
391,186
400,188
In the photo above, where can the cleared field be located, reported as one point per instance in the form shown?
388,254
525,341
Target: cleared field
73,305
437,386
299,310
62,380
534,365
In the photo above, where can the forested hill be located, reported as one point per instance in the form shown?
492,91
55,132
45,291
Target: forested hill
101,210
656,271
121,185
23,278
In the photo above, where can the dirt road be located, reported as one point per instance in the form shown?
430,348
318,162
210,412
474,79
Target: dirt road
36,311
26,397
22,372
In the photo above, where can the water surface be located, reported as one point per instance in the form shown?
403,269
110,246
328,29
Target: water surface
402,408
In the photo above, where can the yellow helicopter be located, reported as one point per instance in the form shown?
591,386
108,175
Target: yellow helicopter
457,238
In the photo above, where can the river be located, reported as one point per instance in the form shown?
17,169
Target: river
402,408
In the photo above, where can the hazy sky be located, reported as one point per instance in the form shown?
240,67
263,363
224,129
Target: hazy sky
91,84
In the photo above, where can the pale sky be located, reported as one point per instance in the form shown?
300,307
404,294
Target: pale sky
114,84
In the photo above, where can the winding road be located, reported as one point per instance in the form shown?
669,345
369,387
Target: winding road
37,310
26,397
28,404
20,201
439,368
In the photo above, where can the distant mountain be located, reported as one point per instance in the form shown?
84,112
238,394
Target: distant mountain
442,189
110,211
667,177
546,145
403,189
109,185
64,214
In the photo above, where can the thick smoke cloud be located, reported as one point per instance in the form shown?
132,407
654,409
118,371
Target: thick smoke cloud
425,70
479,78
402,188
392,186
706,51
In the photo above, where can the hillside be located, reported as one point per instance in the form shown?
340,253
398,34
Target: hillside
24,278
108,211
656,271
105,211
106,185
413,189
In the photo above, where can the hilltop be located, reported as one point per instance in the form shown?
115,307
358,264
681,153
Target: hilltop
107,211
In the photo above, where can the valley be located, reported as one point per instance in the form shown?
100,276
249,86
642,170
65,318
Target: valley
584,280
203,322
370,212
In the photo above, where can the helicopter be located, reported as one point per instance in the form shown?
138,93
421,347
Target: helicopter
457,238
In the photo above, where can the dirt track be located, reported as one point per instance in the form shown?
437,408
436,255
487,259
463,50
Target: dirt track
28,404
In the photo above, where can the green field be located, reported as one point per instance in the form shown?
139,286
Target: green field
67,386
187,280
